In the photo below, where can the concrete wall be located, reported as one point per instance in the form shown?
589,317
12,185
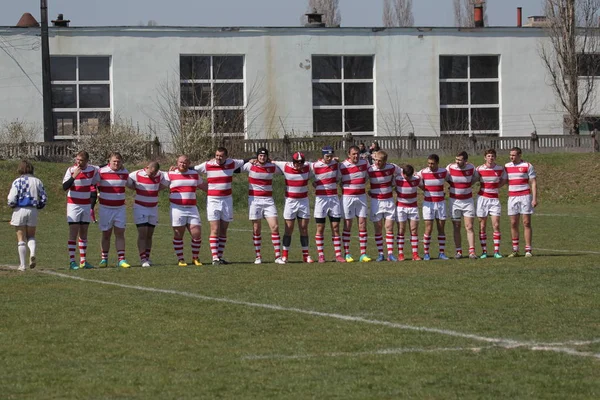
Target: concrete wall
278,71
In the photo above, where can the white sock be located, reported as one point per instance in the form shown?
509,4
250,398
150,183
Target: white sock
31,245
22,253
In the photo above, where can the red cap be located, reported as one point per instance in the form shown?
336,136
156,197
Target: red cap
298,156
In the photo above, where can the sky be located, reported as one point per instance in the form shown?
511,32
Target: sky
365,13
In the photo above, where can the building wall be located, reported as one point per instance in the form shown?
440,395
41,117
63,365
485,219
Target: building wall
278,72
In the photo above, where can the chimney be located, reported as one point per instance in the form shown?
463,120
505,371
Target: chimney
27,21
519,17
60,21
478,14
314,19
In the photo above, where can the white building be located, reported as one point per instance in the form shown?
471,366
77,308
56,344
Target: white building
264,82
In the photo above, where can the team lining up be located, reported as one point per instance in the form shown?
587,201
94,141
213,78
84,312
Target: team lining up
327,174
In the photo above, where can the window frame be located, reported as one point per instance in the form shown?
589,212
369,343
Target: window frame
342,81
470,106
212,81
77,82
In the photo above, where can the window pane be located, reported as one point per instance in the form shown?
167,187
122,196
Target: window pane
327,121
63,96
194,67
63,68
453,67
91,122
229,94
94,68
356,94
454,119
484,93
94,96
484,66
588,64
454,93
588,124
228,67
229,121
196,120
327,94
359,120
358,67
327,67
64,123
195,94
485,119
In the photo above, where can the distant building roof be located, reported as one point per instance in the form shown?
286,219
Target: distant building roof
27,21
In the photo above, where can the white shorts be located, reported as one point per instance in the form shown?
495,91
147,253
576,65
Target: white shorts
145,215
520,205
78,213
404,214
259,207
219,208
434,210
184,215
354,206
328,205
24,216
296,208
462,208
383,209
112,217
487,206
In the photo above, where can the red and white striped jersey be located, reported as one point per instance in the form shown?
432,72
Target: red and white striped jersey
382,180
219,177
260,178
461,180
518,178
146,188
326,177
111,187
183,185
490,179
296,181
354,177
433,184
407,191
79,192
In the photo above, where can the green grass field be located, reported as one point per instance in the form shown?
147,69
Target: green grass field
508,328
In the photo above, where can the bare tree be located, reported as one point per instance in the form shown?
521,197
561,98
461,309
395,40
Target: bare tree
330,10
570,55
396,122
464,13
196,125
398,13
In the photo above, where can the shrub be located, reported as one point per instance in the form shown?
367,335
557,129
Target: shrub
121,136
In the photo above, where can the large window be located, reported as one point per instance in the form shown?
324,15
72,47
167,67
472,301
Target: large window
343,94
81,101
469,94
212,92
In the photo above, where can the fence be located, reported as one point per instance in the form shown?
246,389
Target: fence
397,147
62,151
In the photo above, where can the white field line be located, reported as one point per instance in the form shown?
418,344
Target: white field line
571,343
503,342
565,215
365,353
569,251
566,350
535,248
